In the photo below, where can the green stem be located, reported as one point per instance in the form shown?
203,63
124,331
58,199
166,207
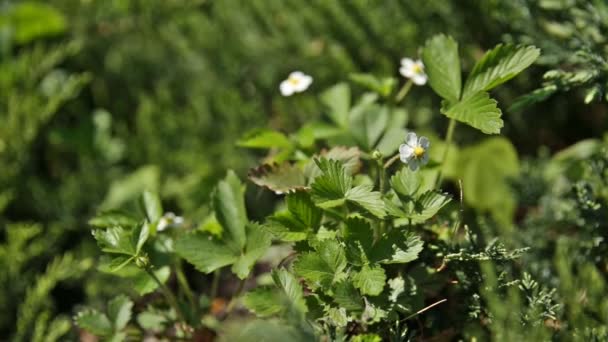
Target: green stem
215,283
168,295
448,141
391,161
235,296
404,90
183,283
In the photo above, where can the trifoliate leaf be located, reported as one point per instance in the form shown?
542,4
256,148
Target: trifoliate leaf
478,110
115,240
323,267
328,190
94,322
406,183
204,253
229,204
258,241
347,296
396,247
263,302
280,178
264,138
283,226
291,287
303,209
349,156
337,101
425,207
442,65
337,317
119,311
499,65
363,196
370,280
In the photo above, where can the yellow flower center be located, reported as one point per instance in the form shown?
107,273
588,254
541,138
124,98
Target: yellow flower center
294,81
418,151
417,68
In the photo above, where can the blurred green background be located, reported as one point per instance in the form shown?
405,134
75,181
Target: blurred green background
100,100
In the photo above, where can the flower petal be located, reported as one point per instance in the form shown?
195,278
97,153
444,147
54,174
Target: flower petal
425,159
413,164
419,79
406,150
303,84
297,75
286,88
407,62
411,139
424,142
406,72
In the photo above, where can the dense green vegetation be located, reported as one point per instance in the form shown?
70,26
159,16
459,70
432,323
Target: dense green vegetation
116,113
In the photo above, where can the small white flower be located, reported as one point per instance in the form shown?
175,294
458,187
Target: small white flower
414,152
413,70
297,82
169,220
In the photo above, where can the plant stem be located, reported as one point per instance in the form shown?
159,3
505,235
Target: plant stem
404,90
391,161
381,181
235,296
215,283
168,295
183,283
448,141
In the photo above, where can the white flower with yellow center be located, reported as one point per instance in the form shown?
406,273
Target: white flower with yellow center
415,151
169,220
414,70
297,82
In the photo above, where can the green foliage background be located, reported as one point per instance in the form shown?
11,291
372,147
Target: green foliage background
100,100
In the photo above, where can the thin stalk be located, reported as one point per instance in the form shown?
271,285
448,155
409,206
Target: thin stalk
168,295
423,310
215,283
382,184
391,161
183,283
403,92
235,296
448,141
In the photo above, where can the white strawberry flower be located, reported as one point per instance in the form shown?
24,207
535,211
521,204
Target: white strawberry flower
414,70
415,151
169,220
297,82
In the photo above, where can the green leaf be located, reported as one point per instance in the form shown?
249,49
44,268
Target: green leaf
94,322
485,173
329,189
347,296
383,86
426,206
367,123
348,156
144,284
115,240
479,111
442,65
119,311
303,209
323,267
264,138
229,204
264,302
152,206
30,20
363,196
291,287
280,178
258,241
113,218
359,238
406,183
205,254
370,280
285,227
499,65
367,338
139,236
337,101
391,140
397,247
